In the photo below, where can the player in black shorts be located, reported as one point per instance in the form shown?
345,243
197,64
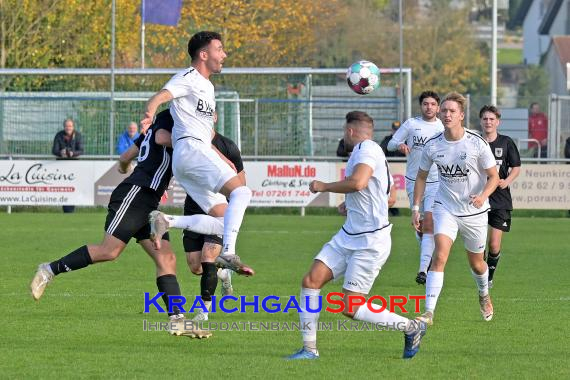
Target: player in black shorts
202,251
508,164
127,218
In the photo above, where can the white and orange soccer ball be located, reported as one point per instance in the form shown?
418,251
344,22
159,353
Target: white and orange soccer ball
363,77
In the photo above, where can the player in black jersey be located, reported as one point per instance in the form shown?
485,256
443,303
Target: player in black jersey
202,250
130,203
508,164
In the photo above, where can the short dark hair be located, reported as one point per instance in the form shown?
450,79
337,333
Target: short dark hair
489,108
396,124
428,94
199,41
359,116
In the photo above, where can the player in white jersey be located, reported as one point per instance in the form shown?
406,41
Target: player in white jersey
467,177
410,139
197,166
362,245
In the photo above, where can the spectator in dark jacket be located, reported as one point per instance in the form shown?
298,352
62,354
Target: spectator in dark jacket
67,145
384,143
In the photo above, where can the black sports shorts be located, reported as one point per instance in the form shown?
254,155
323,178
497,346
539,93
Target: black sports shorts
128,210
500,219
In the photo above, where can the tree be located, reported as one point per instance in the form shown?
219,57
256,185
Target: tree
438,44
535,88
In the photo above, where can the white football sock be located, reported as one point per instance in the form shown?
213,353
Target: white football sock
482,281
385,318
224,275
201,224
239,199
308,319
426,251
434,283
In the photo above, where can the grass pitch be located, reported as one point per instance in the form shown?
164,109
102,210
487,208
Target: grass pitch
89,323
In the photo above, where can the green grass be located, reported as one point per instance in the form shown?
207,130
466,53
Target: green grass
509,56
89,322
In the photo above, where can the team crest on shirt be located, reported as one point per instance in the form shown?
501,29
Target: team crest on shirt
462,155
498,152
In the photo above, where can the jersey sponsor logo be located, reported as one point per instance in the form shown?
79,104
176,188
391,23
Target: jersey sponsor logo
419,141
498,152
203,108
452,171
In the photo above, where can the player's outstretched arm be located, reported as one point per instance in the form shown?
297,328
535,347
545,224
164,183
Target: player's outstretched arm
419,189
355,182
152,105
126,158
399,138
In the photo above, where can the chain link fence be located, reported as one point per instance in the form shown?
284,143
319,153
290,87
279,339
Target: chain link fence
269,112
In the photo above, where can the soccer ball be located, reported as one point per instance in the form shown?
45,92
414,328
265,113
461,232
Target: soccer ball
363,77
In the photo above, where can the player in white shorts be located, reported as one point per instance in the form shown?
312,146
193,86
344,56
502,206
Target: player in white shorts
467,177
410,139
197,166
362,245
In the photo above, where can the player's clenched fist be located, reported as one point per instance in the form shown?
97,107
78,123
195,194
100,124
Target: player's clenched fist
316,186
146,122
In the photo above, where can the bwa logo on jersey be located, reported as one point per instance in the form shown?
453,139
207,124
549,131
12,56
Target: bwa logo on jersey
204,109
419,141
452,171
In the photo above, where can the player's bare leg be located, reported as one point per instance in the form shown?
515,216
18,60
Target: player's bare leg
494,253
166,281
109,249
318,276
480,273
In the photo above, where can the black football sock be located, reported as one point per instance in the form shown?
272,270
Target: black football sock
168,284
75,260
209,281
492,262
